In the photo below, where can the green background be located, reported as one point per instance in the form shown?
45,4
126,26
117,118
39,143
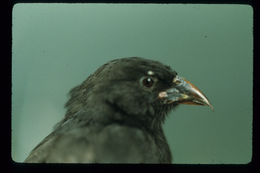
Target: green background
56,46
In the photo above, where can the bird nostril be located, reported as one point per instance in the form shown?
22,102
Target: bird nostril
177,80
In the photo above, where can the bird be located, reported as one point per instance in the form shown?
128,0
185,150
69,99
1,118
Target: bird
117,114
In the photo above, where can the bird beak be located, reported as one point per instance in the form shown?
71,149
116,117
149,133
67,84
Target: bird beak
184,92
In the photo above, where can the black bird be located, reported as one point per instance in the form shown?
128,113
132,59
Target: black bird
116,115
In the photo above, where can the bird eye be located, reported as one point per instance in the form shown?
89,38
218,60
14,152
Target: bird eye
147,82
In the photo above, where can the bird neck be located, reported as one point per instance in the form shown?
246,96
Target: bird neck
112,113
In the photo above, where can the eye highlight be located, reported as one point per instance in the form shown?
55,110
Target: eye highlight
147,81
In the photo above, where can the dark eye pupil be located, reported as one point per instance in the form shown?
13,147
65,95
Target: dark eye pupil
148,82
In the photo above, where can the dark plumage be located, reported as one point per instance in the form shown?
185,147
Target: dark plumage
116,115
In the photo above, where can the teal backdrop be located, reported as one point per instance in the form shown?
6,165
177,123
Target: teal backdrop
57,46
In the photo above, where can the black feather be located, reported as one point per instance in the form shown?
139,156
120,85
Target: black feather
111,118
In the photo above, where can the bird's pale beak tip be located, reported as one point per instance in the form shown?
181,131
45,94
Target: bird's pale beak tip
207,103
211,107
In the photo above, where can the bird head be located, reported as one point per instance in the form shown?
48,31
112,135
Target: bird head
142,89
